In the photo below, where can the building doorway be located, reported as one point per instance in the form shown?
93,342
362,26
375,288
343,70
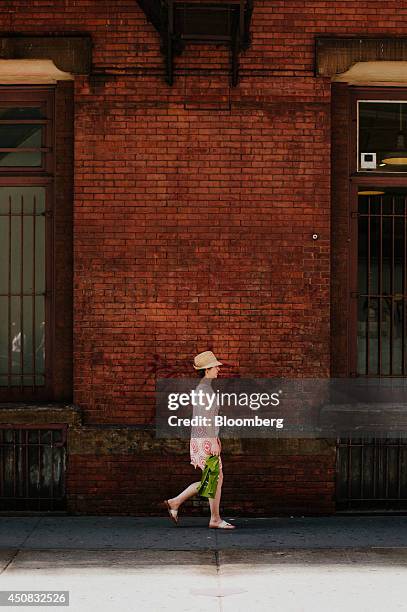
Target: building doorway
371,472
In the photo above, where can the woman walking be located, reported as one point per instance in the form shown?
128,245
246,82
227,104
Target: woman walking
204,442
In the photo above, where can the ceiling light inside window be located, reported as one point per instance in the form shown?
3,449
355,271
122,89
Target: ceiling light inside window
369,192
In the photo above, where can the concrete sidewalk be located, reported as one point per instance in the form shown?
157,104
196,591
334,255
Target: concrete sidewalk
290,565
133,533
211,581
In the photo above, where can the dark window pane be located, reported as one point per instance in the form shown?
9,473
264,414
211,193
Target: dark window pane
373,321
27,159
15,262
17,339
398,310
28,349
21,112
39,306
46,436
399,246
387,206
20,137
399,205
362,255
33,436
4,326
386,256
363,204
385,304
373,261
362,331
4,254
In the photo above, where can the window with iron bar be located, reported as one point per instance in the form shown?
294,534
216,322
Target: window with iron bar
26,238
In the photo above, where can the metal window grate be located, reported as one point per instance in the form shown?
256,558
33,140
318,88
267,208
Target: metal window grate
32,468
382,288
23,221
371,474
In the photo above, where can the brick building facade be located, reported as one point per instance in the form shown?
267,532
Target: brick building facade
183,221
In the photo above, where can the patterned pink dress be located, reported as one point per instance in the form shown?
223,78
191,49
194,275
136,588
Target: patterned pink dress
204,440
201,448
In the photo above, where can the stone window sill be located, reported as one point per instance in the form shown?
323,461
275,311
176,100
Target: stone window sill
33,413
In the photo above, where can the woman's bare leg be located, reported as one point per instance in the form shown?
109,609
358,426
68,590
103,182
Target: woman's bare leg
215,502
190,491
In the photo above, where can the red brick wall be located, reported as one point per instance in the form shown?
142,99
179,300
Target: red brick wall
254,484
193,228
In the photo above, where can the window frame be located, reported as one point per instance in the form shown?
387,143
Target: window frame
360,179
33,98
43,176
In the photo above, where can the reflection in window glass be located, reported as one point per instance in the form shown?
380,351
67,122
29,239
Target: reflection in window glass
24,136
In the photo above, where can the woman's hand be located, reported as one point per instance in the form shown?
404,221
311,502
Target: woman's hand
215,449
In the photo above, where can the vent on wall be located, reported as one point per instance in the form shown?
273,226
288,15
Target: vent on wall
195,21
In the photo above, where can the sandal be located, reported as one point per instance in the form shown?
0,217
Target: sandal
173,514
222,525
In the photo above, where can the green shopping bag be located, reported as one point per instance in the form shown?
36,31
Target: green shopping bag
210,477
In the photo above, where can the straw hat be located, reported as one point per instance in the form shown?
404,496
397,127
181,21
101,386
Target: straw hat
205,360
